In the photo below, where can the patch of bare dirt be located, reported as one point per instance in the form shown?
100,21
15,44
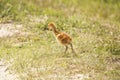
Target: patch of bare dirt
4,73
9,29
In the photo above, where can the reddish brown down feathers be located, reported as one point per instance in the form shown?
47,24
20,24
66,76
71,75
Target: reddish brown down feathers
62,37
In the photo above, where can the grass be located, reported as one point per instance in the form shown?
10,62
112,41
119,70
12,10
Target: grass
38,56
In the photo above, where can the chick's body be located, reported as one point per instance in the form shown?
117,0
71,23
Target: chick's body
64,39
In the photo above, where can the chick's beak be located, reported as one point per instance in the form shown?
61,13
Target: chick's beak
46,28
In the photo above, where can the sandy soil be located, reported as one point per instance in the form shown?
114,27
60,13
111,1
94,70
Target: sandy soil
7,30
4,72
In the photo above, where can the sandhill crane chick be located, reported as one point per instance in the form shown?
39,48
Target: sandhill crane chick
62,37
